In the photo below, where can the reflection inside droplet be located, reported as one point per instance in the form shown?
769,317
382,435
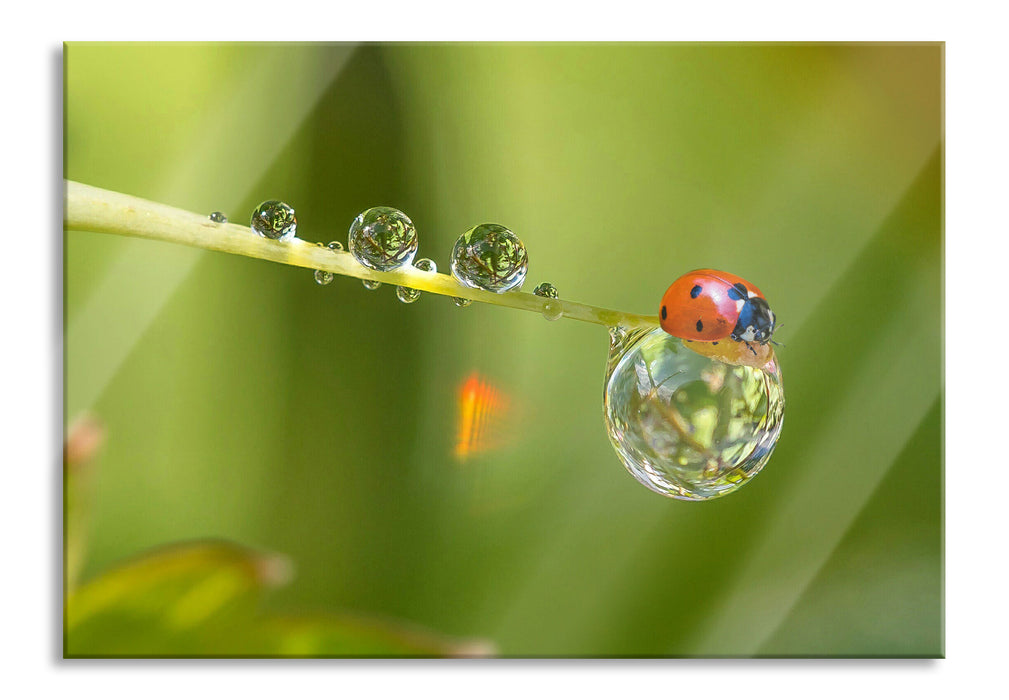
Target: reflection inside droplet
275,220
407,295
383,238
546,290
490,257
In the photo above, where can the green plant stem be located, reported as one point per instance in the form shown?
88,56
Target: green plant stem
92,209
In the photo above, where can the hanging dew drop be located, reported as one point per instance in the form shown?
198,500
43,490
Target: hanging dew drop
275,220
490,257
383,239
685,425
552,310
407,295
460,302
218,217
371,285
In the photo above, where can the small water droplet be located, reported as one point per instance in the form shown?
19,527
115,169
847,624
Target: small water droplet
371,284
218,217
275,220
321,276
426,265
490,257
546,290
552,310
383,239
677,429
460,302
408,295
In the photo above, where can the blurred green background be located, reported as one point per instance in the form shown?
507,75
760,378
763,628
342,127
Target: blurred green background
243,402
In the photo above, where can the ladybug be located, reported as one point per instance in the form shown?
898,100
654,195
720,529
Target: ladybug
711,305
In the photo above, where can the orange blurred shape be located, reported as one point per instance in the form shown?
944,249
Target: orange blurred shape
482,412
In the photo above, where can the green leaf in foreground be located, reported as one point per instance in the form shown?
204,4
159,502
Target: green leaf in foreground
201,599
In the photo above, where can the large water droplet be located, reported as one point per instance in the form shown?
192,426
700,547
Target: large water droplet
274,219
218,217
408,295
383,239
685,425
490,257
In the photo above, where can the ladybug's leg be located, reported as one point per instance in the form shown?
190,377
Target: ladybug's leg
751,348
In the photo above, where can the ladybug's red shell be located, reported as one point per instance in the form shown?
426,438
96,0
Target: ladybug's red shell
699,306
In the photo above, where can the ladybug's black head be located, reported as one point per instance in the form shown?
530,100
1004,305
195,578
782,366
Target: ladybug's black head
756,322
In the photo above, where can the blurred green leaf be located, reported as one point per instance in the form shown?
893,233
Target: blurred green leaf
170,601
201,599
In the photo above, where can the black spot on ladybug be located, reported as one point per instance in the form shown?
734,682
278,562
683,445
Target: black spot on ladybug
663,313
695,291
714,342
737,292
700,326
